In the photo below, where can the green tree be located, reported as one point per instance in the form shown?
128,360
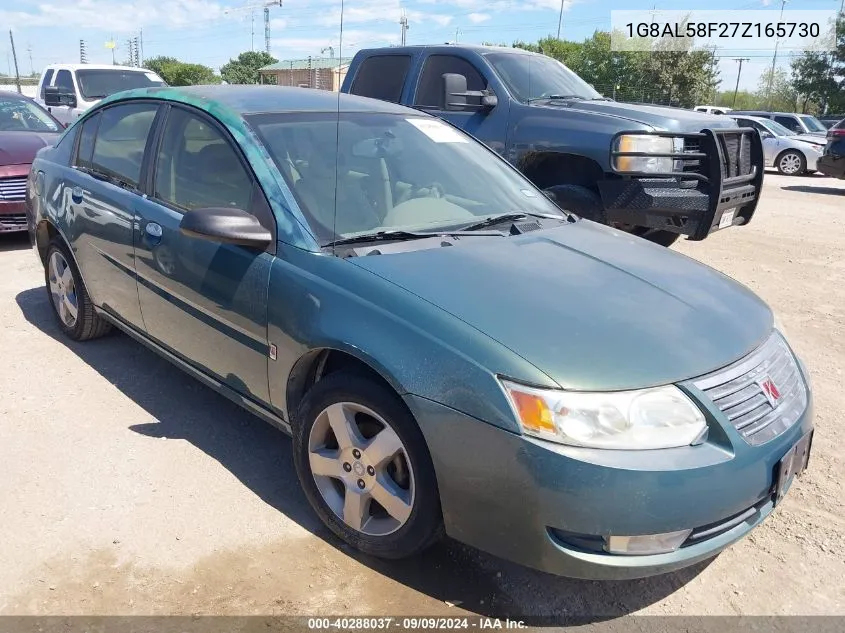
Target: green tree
244,69
178,73
775,91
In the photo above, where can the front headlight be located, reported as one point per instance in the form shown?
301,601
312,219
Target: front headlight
646,144
661,417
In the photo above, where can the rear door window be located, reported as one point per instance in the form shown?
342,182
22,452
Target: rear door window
430,87
120,141
86,141
382,77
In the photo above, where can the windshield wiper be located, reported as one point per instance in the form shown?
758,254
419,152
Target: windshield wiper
399,236
508,217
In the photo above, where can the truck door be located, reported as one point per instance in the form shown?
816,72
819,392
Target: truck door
489,126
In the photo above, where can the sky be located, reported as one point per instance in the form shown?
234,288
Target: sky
210,32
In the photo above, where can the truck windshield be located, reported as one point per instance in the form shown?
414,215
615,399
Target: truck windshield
391,172
530,77
813,124
100,83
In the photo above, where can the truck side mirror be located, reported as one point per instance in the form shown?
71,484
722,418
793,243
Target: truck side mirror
455,95
57,96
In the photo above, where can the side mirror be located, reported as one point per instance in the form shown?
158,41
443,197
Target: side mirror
225,225
765,135
455,95
56,96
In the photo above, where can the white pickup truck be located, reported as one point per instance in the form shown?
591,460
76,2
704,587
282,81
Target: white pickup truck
68,90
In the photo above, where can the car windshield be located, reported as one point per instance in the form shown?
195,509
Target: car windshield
22,115
530,77
813,124
391,172
776,128
100,83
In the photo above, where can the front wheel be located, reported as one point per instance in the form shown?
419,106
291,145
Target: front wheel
791,163
365,468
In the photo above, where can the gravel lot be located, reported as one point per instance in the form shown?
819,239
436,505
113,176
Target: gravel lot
128,488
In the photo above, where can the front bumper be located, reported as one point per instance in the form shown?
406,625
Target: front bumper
721,172
12,217
833,166
524,499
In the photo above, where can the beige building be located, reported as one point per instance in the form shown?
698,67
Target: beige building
322,73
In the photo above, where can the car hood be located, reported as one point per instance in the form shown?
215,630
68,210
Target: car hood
813,139
658,117
591,307
19,148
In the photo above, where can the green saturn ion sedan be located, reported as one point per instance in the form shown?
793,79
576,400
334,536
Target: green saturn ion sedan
450,351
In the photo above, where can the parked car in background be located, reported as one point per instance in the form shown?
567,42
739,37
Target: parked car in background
643,169
706,109
25,127
449,349
68,90
790,153
829,120
797,123
832,162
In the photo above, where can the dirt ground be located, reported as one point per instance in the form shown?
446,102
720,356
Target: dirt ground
128,488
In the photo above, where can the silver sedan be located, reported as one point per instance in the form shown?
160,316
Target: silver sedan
790,153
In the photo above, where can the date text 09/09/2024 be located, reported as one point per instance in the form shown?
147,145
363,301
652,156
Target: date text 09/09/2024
723,29
412,623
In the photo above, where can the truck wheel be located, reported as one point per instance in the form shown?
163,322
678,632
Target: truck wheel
580,201
791,163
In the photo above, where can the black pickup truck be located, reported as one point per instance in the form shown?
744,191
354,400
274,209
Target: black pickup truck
653,171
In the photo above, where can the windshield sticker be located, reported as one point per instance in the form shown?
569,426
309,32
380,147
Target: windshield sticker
437,131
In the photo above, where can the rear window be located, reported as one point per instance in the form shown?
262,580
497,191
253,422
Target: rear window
382,77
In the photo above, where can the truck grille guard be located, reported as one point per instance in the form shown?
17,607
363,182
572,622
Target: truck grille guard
724,164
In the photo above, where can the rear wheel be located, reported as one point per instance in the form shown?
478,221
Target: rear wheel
791,163
364,466
70,302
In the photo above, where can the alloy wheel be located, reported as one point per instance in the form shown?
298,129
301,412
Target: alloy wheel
361,469
63,289
790,163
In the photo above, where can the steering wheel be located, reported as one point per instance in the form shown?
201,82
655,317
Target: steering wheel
433,190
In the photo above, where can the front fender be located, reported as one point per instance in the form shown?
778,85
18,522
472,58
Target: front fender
318,301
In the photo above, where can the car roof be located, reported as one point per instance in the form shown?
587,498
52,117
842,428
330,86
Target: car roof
447,48
95,67
254,99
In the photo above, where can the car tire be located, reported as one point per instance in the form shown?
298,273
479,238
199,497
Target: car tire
791,163
68,297
349,482
580,201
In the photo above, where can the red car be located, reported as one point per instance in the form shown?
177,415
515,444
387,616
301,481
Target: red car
25,127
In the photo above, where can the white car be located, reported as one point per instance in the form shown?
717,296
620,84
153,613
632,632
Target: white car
707,109
68,90
790,153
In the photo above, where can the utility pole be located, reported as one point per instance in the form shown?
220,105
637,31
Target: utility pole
738,75
15,58
83,55
403,24
252,32
457,31
267,28
775,58
560,19
31,65
141,47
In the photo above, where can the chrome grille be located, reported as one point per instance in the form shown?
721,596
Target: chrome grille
739,391
13,189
